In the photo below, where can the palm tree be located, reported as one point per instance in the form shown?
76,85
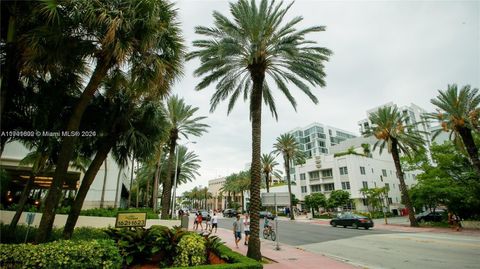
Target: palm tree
181,121
458,112
268,167
240,53
243,185
143,34
388,126
291,152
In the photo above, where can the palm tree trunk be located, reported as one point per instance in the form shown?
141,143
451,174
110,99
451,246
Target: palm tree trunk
147,193
155,186
167,183
87,181
102,199
66,152
256,117
138,193
471,148
267,181
115,205
131,183
22,202
287,170
403,186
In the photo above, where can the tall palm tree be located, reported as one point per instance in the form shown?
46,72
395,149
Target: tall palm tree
243,185
182,121
240,53
144,34
458,112
268,167
388,126
291,152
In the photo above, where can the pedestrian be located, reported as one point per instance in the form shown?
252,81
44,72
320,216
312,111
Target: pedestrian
237,230
246,228
214,222
199,221
195,223
208,224
456,220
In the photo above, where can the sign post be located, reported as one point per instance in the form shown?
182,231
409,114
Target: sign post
30,218
276,199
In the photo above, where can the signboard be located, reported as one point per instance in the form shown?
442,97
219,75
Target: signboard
30,218
272,199
128,219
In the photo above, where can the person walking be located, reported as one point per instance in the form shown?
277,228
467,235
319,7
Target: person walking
214,222
195,223
246,228
199,221
237,230
208,224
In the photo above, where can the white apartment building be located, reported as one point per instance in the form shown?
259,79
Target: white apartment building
117,180
351,173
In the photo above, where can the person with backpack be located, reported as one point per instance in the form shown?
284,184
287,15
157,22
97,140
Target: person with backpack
207,225
214,222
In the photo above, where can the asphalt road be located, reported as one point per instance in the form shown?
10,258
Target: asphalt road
381,248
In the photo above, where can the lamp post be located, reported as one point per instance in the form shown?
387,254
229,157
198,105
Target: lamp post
175,178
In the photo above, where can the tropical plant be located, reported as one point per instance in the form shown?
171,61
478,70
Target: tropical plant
314,201
291,152
390,128
338,198
458,112
191,251
181,121
144,36
240,53
268,168
350,151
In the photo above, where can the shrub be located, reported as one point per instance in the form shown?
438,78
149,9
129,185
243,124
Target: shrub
235,261
112,212
191,251
166,241
61,254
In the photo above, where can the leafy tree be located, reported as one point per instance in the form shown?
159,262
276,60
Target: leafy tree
268,168
291,152
181,121
390,128
144,36
315,201
338,198
458,112
240,53
375,198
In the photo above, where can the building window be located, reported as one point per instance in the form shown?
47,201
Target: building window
304,189
362,170
372,170
390,200
387,186
315,175
375,184
345,185
329,187
349,206
365,202
384,172
365,184
393,185
343,170
302,176
315,188
327,173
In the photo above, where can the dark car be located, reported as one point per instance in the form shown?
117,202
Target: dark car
352,220
204,214
229,213
430,216
267,214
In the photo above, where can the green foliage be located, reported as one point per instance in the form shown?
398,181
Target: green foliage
112,212
375,198
234,260
191,251
350,151
213,244
166,241
61,254
338,198
315,201
80,233
375,214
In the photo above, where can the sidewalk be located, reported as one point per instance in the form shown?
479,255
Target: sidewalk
286,257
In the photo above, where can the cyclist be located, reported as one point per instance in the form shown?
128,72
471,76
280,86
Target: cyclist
267,225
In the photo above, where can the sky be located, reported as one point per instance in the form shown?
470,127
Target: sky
383,51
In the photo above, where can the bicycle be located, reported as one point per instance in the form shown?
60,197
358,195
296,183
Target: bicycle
269,232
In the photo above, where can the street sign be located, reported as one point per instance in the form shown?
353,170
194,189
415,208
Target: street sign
281,199
128,219
30,218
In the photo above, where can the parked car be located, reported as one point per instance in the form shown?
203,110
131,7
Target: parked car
267,214
352,220
430,216
229,212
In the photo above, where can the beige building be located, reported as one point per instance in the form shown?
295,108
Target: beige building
218,201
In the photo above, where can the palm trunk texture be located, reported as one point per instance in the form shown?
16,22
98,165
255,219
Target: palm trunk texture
66,153
471,148
287,170
256,169
403,186
167,183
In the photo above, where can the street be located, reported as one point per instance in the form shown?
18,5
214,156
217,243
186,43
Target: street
380,248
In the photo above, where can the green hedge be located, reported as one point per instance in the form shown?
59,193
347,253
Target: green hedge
235,261
61,254
112,212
